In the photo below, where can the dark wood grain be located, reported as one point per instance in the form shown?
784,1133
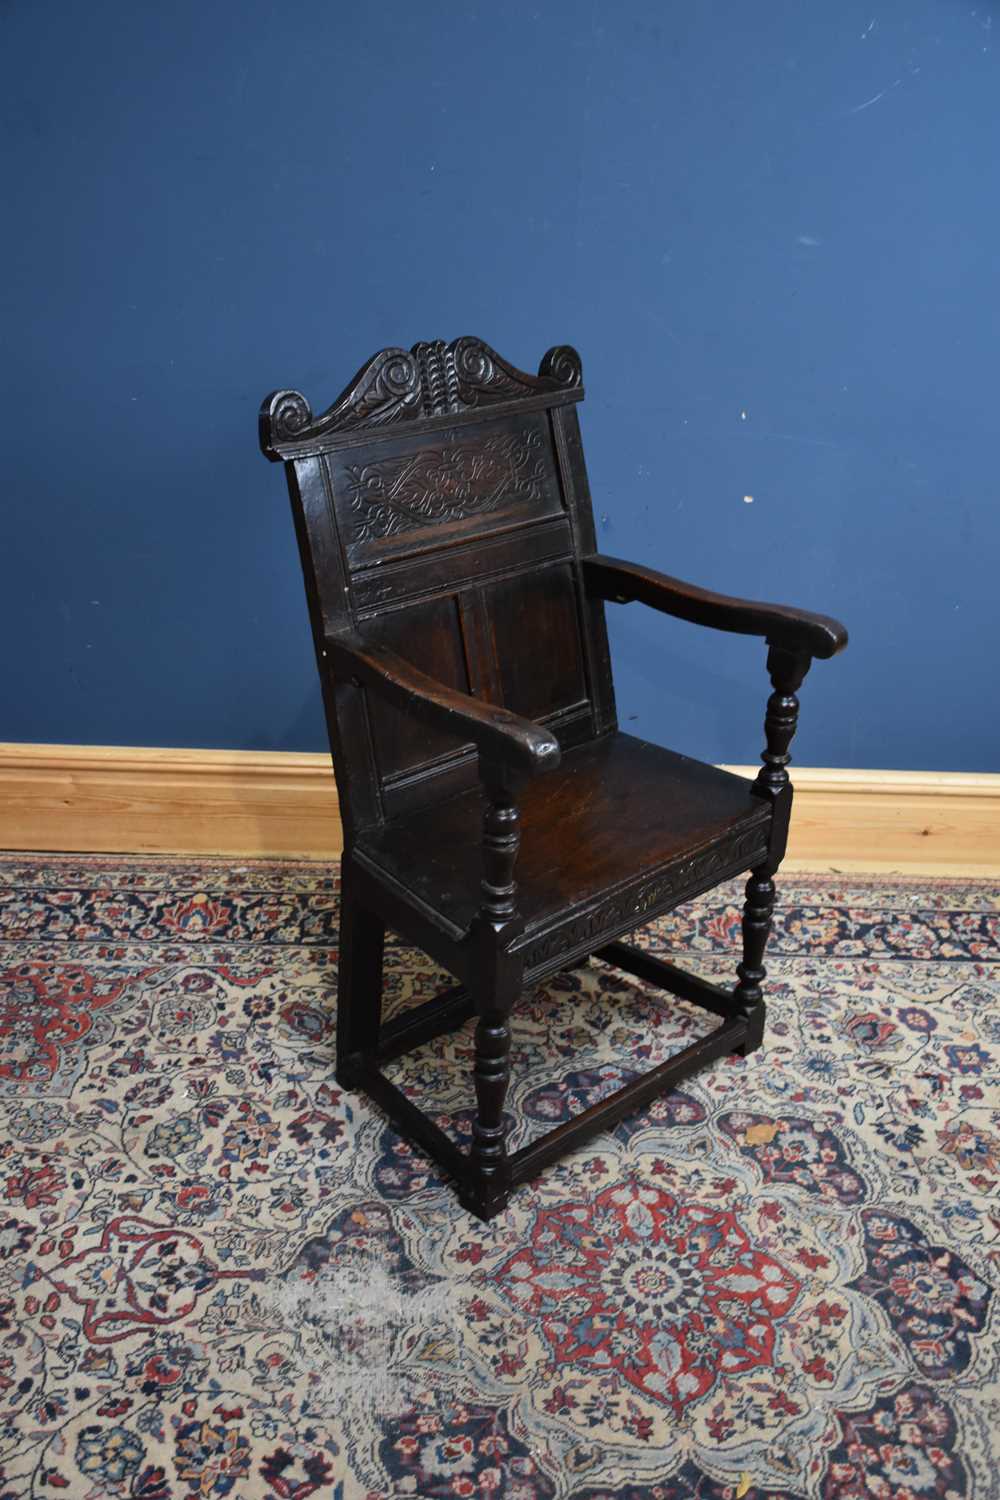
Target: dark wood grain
781,625
667,976
421,1023
627,1100
494,730
616,808
494,815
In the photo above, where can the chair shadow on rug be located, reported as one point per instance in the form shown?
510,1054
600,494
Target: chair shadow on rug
494,814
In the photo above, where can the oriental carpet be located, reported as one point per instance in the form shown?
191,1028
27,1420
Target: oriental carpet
222,1275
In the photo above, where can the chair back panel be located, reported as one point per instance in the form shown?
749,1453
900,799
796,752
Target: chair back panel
408,495
448,527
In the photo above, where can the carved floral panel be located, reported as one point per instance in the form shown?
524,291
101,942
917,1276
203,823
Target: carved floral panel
461,476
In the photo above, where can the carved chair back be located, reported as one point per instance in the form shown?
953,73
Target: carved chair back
442,509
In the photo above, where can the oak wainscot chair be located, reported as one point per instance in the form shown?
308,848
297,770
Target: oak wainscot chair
494,814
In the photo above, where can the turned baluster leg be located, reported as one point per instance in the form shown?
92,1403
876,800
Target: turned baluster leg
497,985
749,993
787,669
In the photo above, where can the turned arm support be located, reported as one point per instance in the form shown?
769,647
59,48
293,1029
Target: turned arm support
502,738
792,630
794,638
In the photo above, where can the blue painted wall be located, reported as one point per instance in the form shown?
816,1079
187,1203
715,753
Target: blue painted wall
770,228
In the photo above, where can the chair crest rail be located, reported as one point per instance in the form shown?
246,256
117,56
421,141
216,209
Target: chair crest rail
406,385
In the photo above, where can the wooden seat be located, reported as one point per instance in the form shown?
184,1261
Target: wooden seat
614,817
493,813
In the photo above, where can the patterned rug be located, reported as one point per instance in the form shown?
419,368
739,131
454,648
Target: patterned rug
220,1275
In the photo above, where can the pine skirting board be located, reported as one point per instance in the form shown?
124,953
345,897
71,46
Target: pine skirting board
99,798
272,803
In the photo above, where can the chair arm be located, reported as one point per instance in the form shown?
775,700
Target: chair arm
500,736
791,629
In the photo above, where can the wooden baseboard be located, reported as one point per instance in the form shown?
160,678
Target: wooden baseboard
85,798
913,822
99,798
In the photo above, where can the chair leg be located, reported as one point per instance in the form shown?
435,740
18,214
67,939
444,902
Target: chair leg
758,910
359,988
488,1185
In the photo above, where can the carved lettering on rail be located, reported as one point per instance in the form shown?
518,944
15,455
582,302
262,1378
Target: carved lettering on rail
630,908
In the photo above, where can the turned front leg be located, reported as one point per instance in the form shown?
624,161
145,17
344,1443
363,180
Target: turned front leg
786,669
497,986
491,1073
758,910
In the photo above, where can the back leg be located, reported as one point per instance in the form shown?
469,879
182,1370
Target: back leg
359,987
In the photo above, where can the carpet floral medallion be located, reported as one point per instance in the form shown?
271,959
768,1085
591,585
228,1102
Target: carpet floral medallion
220,1275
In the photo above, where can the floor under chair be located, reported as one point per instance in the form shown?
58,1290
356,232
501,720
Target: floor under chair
221,1274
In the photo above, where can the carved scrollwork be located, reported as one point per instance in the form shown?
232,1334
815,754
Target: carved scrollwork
563,365
438,485
631,908
386,389
431,379
484,376
284,415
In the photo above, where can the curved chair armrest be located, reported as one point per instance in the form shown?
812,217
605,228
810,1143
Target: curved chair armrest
791,629
499,735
